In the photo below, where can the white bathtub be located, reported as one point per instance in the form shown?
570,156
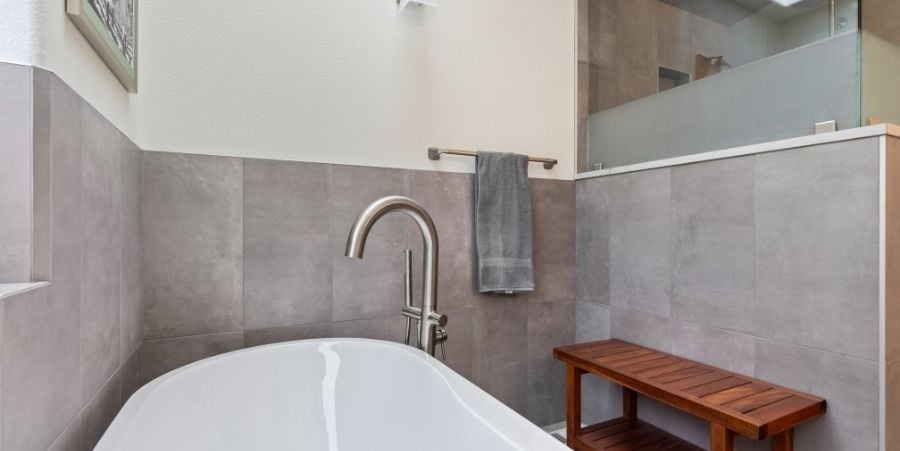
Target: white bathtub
331,394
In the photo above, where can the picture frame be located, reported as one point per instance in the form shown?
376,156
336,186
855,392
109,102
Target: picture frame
110,26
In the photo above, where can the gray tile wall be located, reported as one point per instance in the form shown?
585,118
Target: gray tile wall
193,245
15,173
70,352
740,263
243,252
766,265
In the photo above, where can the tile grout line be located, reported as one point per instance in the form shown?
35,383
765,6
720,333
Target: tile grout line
331,242
744,334
243,249
330,179
203,334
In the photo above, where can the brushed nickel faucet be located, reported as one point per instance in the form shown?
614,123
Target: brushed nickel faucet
429,319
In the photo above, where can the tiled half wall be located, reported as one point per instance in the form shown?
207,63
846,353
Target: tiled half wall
766,265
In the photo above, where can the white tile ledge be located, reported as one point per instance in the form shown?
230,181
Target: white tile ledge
772,146
12,289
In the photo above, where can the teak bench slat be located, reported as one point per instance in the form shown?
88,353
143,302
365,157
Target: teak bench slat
732,403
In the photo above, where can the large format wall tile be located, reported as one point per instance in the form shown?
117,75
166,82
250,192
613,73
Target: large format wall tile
816,247
70,438
373,286
40,365
554,240
102,258
15,173
164,355
645,329
640,249
850,385
130,311
603,18
501,330
673,41
448,197
459,348
261,337
637,38
685,426
193,244
712,273
732,351
550,324
508,382
603,93
546,400
592,240
708,37
582,11
99,412
67,134
591,321
132,373
499,355
287,244
392,328
42,175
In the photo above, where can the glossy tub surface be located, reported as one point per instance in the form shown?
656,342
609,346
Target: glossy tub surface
330,395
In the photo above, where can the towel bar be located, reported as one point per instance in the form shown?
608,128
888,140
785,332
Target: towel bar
434,153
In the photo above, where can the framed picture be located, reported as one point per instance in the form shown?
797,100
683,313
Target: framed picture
111,28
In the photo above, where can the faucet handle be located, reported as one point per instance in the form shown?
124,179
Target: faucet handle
439,319
440,337
407,288
407,278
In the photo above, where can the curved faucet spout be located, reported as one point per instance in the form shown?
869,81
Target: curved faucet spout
356,244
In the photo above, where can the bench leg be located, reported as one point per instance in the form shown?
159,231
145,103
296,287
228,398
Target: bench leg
573,404
720,438
629,403
783,441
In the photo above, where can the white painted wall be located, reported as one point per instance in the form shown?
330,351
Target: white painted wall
336,81
71,57
18,40
38,33
355,82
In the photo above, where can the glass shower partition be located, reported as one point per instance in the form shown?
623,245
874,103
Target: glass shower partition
667,78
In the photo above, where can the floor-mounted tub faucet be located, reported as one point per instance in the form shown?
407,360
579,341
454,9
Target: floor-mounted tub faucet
429,319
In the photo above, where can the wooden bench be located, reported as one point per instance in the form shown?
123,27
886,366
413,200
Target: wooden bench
732,403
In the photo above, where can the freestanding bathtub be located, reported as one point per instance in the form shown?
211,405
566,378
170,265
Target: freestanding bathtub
329,395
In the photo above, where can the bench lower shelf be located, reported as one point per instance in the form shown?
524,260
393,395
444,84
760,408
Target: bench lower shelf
623,434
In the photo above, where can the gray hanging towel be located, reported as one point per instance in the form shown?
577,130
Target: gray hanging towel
503,239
